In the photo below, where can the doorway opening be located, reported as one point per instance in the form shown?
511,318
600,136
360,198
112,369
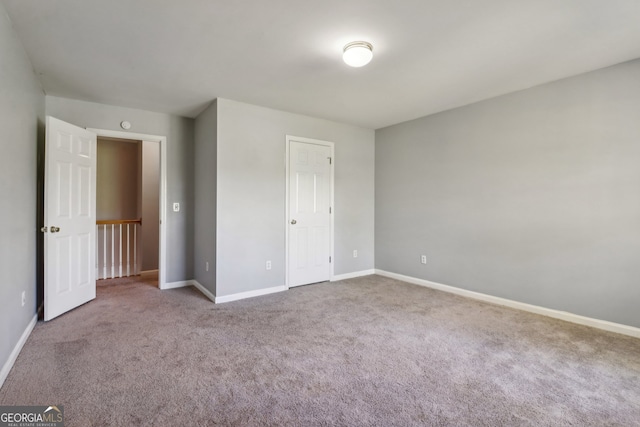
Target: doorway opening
127,209
150,254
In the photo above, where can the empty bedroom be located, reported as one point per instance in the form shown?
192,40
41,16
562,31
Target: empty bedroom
364,213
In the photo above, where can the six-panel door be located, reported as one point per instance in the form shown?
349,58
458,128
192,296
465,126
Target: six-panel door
309,213
69,217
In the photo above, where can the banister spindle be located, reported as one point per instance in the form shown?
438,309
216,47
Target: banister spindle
104,251
128,253
113,245
102,263
120,268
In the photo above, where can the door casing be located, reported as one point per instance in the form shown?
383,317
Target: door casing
162,140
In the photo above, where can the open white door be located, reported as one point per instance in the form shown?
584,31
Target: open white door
310,198
69,217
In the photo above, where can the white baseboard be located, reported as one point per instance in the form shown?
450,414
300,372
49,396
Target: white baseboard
206,292
4,373
179,284
149,272
250,294
353,275
227,298
557,314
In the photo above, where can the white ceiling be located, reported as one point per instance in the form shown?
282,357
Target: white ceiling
175,56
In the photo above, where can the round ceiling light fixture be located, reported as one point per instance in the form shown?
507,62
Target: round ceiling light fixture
357,54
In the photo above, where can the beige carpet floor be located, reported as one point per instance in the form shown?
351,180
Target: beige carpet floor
366,351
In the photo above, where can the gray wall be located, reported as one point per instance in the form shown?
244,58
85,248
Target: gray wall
117,179
150,199
205,169
179,133
532,196
21,121
251,194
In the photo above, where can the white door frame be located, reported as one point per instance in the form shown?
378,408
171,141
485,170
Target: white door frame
162,140
331,145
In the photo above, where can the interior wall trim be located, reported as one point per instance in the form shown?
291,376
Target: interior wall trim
353,275
556,314
206,292
249,294
4,373
179,284
164,237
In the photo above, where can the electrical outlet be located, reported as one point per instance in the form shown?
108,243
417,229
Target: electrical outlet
176,207
423,259
206,266
24,298
355,253
268,265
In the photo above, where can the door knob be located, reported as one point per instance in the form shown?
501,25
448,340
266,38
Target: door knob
293,221
44,229
55,229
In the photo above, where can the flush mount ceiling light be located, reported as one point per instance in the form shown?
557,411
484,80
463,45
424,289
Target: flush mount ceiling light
357,54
